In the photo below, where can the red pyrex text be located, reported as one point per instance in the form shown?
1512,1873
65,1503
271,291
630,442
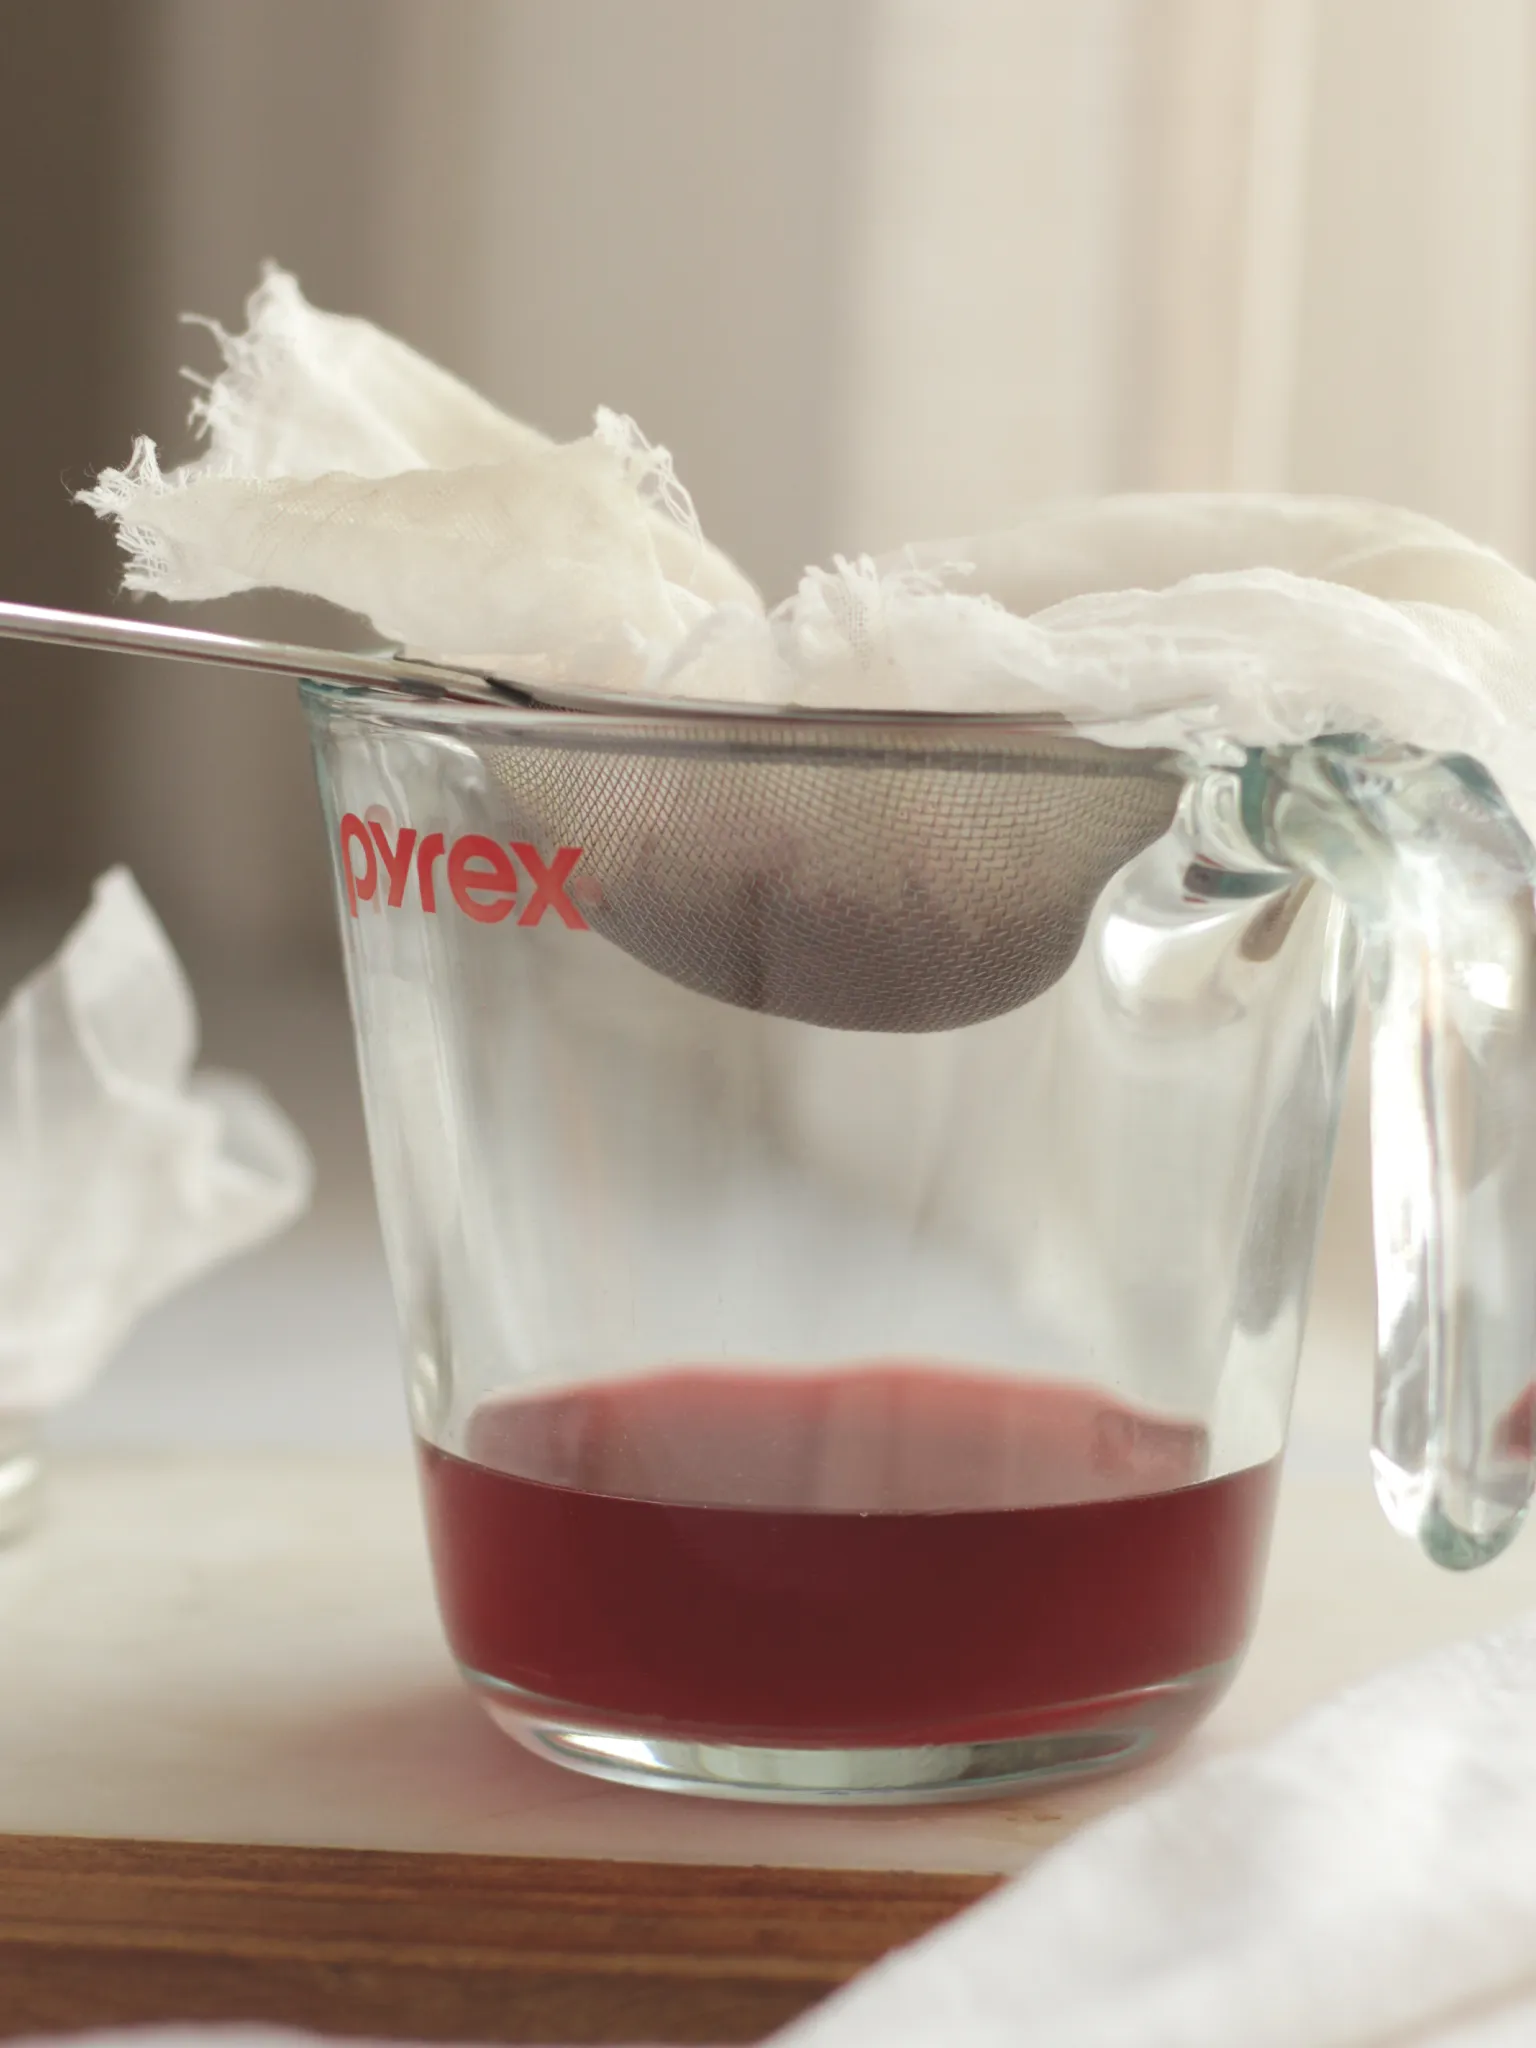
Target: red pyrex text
481,874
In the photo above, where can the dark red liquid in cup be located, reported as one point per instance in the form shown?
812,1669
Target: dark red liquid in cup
882,1554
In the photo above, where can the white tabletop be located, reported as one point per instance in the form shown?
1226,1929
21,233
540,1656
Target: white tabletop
234,1647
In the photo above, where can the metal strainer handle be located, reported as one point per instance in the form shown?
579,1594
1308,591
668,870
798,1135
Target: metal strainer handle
56,628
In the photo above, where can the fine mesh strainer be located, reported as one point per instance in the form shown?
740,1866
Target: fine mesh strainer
864,875
862,872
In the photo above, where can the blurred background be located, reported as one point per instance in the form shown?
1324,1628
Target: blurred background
875,270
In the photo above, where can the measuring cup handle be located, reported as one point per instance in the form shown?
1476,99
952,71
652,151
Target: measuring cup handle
1438,876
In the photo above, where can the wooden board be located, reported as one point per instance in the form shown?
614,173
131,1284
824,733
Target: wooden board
436,1948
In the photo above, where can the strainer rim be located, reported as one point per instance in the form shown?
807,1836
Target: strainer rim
546,707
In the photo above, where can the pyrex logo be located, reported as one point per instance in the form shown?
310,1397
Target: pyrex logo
485,878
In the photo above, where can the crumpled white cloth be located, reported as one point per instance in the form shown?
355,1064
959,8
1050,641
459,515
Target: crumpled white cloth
1367,1877
123,1175
342,464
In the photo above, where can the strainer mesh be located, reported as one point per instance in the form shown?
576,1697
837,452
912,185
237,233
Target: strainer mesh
860,885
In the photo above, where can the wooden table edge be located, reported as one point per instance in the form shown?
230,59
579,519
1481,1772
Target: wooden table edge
400,1945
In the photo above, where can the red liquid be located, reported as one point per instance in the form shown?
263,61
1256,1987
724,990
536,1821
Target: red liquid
883,1554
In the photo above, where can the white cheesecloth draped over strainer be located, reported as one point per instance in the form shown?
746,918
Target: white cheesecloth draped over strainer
341,464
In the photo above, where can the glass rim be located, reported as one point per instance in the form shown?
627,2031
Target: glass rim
608,715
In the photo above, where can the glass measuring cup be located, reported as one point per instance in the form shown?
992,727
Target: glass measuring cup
820,1413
